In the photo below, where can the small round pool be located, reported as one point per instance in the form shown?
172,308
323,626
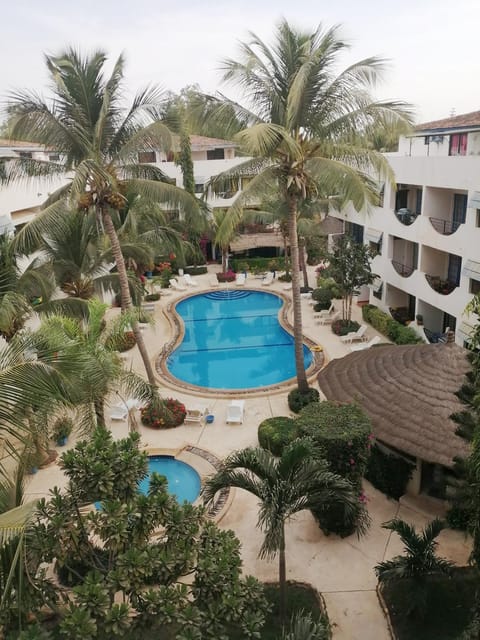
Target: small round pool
183,481
233,340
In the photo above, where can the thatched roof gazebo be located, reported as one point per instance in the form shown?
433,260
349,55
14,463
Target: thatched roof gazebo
409,393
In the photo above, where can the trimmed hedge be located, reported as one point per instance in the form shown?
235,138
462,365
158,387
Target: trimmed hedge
323,297
388,473
297,400
199,270
342,432
256,264
274,434
382,322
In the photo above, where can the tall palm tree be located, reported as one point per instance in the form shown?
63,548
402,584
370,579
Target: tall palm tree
303,129
98,143
284,486
419,562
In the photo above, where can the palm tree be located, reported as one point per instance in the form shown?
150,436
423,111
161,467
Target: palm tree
419,562
303,131
98,142
284,486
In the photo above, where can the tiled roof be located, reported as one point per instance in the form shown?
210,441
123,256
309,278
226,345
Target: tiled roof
203,141
6,142
471,119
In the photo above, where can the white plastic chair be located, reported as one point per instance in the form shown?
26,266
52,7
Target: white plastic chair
240,280
119,412
235,411
189,280
328,319
268,280
366,345
195,414
324,313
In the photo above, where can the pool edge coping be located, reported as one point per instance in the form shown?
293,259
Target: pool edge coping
178,329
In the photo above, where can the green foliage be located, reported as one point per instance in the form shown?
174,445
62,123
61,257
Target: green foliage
342,433
417,564
297,399
323,298
382,322
256,265
127,578
342,327
285,277
152,297
122,342
332,517
388,473
328,283
274,434
62,427
196,270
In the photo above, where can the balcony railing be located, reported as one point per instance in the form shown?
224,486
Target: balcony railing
404,270
406,216
440,285
445,227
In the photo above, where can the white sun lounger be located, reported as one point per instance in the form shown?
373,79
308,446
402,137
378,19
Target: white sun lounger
359,334
240,280
235,412
366,345
189,280
268,280
195,414
176,285
119,412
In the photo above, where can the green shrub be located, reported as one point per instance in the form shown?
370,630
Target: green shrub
328,283
285,278
333,518
256,264
297,400
342,432
171,413
342,327
198,270
152,297
382,322
458,517
274,434
122,342
388,473
323,298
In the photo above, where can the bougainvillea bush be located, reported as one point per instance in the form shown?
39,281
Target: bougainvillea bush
169,414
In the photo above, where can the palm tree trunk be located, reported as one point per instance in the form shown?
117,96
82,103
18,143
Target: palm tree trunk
282,579
125,291
297,306
285,253
303,264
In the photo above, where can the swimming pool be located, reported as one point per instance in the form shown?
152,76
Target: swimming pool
183,481
233,340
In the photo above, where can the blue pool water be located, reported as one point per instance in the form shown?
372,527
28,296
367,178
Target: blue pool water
183,480
233,340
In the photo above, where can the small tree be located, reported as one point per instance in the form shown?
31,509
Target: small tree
125,577
418,564
350,268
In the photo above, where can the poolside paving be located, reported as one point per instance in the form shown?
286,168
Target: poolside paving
342,569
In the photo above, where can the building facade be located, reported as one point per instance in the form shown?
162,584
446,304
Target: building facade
426,233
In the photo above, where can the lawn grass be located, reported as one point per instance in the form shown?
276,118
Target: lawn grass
448,610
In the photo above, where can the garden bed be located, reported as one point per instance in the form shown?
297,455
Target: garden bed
448,609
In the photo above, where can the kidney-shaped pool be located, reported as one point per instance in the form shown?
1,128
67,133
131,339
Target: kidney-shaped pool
233,340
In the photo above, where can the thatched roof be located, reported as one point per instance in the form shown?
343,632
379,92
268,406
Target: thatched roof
409,393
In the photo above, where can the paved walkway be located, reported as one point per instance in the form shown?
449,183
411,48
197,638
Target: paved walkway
342,569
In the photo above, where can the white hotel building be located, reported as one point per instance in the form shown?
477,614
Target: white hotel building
427,231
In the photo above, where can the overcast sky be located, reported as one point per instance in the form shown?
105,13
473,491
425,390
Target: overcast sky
432,45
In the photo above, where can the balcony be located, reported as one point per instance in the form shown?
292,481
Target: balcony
404,270
405,216
440,285
445,227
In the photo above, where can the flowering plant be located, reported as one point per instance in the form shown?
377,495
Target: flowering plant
170,413
228,276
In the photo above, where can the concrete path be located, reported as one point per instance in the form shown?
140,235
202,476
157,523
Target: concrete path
342,569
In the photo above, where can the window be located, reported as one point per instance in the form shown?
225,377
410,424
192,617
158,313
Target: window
474,286
401,199
54,157
25,154
216,154
199,187
375,248
355,231
378,292
478,218
418,202
458,144
147,156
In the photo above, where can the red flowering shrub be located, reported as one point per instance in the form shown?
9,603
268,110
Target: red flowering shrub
171,413
228,276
